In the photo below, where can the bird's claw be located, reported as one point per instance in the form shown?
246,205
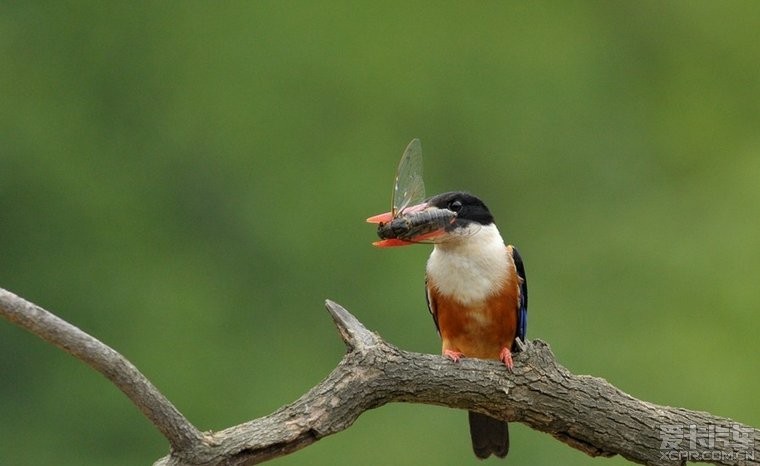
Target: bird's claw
453,355
506,357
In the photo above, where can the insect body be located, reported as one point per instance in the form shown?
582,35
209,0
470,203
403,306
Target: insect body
416,225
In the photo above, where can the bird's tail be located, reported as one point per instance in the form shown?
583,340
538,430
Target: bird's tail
489,436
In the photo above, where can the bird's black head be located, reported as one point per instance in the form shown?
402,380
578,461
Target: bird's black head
467,207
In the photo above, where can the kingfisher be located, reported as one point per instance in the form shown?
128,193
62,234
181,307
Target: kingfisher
476,289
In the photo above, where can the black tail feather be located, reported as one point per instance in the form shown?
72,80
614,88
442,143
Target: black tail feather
489,436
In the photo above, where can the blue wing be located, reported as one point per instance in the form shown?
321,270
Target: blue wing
522,309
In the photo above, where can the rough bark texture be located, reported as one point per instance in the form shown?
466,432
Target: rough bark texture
584,412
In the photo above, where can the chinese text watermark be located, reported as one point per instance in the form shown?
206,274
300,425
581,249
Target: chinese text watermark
706,442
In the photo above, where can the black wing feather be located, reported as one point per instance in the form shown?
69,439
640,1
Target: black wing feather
431,307
522,310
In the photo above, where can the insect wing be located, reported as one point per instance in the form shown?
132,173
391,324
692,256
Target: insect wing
409,188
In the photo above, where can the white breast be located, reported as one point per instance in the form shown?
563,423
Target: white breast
470,268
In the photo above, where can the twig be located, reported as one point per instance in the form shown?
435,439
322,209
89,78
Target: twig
104,359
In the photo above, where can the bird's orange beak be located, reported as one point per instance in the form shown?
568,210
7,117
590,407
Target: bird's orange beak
381,218
391,243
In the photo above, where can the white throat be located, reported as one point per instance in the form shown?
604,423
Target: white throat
470,268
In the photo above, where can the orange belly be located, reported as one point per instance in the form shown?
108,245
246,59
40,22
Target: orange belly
478,330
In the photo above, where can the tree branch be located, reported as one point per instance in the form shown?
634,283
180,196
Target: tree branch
104,359
585,412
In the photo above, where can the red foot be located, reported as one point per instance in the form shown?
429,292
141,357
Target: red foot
506,357
453,355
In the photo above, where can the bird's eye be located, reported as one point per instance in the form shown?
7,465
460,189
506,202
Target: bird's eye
455,206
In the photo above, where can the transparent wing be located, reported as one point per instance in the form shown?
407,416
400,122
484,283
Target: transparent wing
409,188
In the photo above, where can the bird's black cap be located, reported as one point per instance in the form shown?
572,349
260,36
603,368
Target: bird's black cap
467,207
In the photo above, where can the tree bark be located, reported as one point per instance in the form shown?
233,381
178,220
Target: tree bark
584,412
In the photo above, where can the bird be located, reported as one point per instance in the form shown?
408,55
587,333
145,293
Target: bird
476,289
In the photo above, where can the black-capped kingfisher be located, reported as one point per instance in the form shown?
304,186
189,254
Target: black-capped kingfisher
476,289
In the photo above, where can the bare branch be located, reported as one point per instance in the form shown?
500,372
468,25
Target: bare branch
104,359
585,412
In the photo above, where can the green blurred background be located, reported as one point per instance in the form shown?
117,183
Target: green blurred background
188,181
